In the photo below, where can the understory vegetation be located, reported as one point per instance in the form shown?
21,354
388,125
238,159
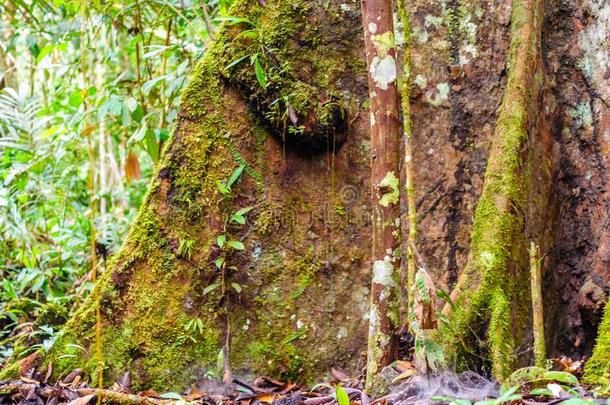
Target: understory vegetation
79,81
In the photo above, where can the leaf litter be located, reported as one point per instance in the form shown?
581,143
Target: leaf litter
406,386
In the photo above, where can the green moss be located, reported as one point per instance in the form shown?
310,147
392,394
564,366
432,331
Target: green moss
303,108
150,290
597,368
495,283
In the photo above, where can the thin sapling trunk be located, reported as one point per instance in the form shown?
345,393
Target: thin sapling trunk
385,142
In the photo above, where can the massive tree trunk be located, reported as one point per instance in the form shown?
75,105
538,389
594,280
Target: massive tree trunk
299,125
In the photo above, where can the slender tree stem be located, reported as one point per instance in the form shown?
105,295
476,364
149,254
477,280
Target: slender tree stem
405,89
385,143
538,319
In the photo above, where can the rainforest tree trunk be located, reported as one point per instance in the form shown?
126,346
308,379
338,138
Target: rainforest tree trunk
511,135
384,318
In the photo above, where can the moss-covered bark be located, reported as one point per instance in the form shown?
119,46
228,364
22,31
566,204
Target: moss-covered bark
491,296
597,368
291,318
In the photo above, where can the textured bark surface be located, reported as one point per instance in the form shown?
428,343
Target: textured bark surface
384,317
306,268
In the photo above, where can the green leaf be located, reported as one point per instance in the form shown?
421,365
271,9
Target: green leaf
224,190
220,240
171,395
236,62
248,34
235,175
131,104
236,287
235,244
244,210
445,297
234,20
149,85
260,73
389,181
342,397
238,219
219,262
210,288
544,392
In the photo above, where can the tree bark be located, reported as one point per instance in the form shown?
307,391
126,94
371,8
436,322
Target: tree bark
538,109
384,321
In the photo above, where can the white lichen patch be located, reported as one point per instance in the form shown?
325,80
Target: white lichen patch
440,96
389,181
593,40
420,35
383,71
342,332
372,27
373,321
345,7
583,114
383,271
421,81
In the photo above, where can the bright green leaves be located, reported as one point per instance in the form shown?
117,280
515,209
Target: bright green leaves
342,397
235,244
239,216
389,187
256,49
225,187
261,76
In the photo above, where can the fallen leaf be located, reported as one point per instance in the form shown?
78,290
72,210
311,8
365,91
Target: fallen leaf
149,394
82,400
268,397
125,382
49,372
73,374
404,375
402,365
339,375
286,388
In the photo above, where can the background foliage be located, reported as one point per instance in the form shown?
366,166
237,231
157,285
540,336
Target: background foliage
81,82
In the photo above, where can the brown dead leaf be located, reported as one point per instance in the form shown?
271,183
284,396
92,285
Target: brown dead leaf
29,363
339,375
132,167
194,395
29,380
268,397
402,365
565,363
266,382
82,400
49,372
88,130
318,400
72,376
149,394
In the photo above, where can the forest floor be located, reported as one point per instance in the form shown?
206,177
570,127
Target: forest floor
406,386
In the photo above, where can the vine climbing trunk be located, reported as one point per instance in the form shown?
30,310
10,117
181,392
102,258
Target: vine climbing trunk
405,98
492,293
377,16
